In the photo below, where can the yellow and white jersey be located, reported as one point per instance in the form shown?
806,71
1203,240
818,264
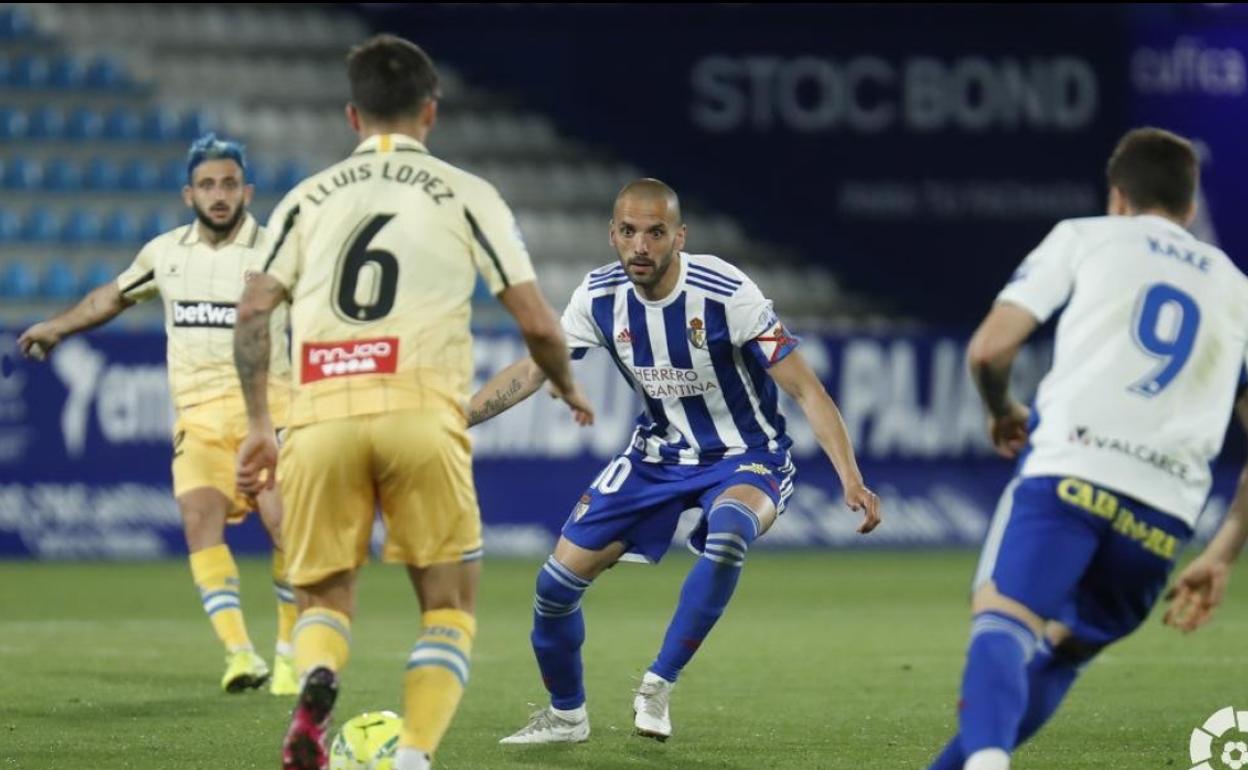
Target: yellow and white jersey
379,255
200,286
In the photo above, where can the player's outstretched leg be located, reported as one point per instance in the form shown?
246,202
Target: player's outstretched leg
994,689
215,574
731,527
558,633
322,641
1049,677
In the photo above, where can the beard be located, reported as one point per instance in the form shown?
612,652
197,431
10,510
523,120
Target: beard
224,227
660,267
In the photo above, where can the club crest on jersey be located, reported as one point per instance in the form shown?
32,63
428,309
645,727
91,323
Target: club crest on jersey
582,506
758,468
322,360
697,333
625,337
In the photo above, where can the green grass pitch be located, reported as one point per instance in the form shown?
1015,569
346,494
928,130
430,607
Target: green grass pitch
836,660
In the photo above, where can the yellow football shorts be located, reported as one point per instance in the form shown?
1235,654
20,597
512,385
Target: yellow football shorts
415,465
206,438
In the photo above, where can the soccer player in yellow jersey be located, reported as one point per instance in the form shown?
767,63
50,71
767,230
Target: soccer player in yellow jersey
378,256
197,270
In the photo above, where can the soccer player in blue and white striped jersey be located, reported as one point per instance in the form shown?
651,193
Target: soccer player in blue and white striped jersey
703,348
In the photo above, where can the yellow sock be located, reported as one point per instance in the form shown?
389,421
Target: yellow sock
216,576
287,613
322,637
437,672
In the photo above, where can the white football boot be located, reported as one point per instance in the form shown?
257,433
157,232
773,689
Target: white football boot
548,726
650,707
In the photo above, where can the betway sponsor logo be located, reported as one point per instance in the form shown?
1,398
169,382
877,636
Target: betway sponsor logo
669,382
1142,452
322,360
212,315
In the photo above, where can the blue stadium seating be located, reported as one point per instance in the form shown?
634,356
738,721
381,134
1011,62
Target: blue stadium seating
291,173
40,226
28,71
173,175
139,175
60,175
81,226
84,123
16,24
155,223
58,281
120,228
12,123
102,175
45,123
66,72
10,226
21,174
17,281
106,73
124,124
262,175
96,274
195,123
161,125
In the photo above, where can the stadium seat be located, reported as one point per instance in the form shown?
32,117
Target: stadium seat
106,73
81,226
45,123
12,123
40,226
21,174
121,228
195,123
139,175
288,175
84,123
263,176
156,223
123,124
58,281
10,226
65,72
173,174
102,175
160,125
18,281
96,274
16,23
28,71
60,175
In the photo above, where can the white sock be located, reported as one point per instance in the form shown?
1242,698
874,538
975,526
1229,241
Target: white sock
285,649
988,759
650,677
411,759
578,714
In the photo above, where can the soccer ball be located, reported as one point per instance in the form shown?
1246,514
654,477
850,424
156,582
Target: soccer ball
366,742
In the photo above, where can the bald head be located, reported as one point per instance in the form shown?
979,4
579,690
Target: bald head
651,195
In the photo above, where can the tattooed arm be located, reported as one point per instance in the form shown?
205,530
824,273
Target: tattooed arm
103,304
506,389
990,356
257,457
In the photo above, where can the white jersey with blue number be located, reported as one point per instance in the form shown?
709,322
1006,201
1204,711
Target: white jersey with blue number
697,358
1148,356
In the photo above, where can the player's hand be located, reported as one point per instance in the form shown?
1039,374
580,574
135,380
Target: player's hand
859,498
1197,591
1008,432
256,467
37,341
582,410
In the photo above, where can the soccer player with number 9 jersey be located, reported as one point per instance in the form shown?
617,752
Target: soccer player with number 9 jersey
1114,456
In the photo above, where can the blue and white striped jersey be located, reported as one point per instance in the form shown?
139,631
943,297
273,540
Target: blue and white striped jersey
698,358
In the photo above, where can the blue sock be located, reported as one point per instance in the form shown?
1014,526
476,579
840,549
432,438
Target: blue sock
1049,678
994,685
732,526
559,632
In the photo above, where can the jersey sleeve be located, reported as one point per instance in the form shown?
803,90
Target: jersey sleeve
578,324
138,281
283,259
1044,280
755,328
497,246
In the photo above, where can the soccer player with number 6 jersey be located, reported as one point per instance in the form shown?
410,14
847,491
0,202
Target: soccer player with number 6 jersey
702,347
1114,456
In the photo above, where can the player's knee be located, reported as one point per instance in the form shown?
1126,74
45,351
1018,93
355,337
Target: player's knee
1074,652
731,527
559,590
